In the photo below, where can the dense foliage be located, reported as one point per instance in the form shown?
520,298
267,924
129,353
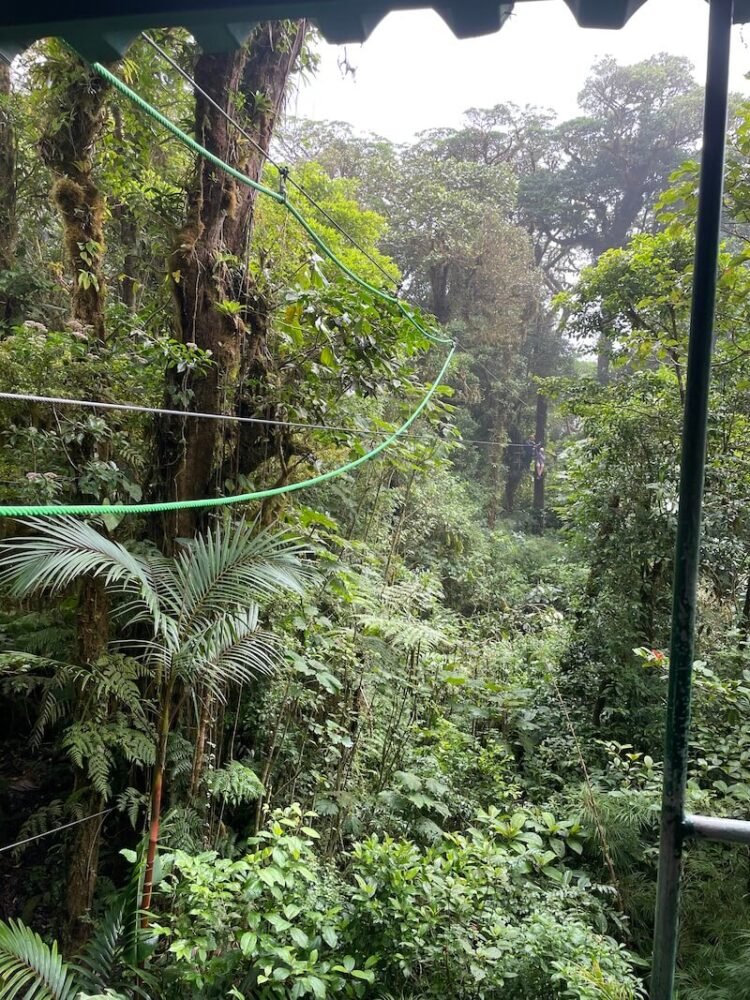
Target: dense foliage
398,735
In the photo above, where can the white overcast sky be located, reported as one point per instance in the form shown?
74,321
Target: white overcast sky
413,74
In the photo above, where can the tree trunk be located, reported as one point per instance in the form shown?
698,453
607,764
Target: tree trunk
540,437
92,625
494,454
603,357
744,626
199,751
127,226
517,466
157,789
8,220
208,266
92,635
82,870
75,119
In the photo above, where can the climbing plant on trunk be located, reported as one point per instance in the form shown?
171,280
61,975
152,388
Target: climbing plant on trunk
216,305
8,221
74,120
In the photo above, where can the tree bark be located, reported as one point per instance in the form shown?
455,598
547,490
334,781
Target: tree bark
92,634
208,266
8,219
157,790
83,869
75,120
540,437
744,626
127,226
517,467
199,751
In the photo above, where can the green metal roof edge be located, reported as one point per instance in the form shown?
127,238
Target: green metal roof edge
106,37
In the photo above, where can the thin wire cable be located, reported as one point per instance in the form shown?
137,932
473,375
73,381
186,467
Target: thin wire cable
280,198
283,171
28,397
46,510
56,829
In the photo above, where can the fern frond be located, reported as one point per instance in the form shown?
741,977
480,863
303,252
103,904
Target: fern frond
179,755
406,633
182,829
235,783
40,821
54,707
132,801
84,744
136,747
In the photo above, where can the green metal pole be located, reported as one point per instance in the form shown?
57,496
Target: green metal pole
692,472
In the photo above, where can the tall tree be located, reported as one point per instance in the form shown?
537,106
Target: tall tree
215,304
8,221
75,118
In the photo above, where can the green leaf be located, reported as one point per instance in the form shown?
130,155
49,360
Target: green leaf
318,986
248,943
299,937
366,975
328,358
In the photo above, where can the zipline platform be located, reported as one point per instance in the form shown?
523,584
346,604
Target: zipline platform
100,34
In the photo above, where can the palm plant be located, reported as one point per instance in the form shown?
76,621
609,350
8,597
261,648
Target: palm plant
30,967
202,609
35,970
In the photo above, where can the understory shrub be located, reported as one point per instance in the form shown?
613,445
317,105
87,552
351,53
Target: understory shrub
498,911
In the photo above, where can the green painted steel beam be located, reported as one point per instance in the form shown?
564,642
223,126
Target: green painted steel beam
727,831
674,826
101,35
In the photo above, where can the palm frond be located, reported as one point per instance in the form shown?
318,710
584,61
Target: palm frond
230,565
229,650
30,968
64,550
98,962
253,656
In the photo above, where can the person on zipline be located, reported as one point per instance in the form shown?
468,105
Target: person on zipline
539,460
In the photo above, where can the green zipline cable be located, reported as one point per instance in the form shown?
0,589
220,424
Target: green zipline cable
154,508
44,510
191,143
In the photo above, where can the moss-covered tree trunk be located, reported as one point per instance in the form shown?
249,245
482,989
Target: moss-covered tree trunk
8,219
208,266
74,120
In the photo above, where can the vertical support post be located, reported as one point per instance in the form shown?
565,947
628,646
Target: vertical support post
692,473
